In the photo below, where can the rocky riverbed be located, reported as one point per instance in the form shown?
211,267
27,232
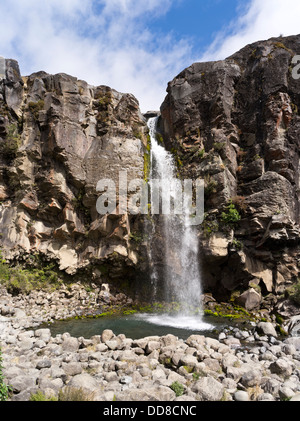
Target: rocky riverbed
251,364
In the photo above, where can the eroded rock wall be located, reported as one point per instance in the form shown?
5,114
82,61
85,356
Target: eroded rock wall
58,137
236,124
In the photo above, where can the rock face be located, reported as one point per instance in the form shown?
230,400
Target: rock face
236,124
59,136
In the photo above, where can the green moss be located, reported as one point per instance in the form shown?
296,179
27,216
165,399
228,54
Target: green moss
281,331
232,316
188,369
159,138
129,312
230,311
279,319
211,313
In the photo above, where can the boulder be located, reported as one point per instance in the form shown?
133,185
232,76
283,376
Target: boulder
250,299
241,396
281,367
70,345
208,389
266,328
84,381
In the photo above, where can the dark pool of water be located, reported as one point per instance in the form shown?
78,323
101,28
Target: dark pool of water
138,326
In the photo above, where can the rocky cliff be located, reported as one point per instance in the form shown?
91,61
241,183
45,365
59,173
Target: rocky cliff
236,124
59,136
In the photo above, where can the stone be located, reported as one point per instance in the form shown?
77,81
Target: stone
112,344
216,248
128,356
196,340
281,367
101,348
126,380
251,378
266,397
289,349
285,393
250,299
272,386
72,368
189,361
266,328
241,396
169,340
22,382
84,381
212,364
70,345
208,389
43,364
46,384
111,376
158,374
107,335
152,346
230,360
296,398
43,334
295,341
26,344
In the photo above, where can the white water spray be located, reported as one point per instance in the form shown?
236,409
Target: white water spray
182,277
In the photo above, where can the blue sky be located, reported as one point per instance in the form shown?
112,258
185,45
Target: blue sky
135,46
198,20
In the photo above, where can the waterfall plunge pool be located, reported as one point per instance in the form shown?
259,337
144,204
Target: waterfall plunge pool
141,325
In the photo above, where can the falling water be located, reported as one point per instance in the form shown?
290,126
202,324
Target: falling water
181,273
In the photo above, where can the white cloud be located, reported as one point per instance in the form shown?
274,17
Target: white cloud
109,42
262,19
101,41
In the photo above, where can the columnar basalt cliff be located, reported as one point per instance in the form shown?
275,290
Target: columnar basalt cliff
236,124
59,137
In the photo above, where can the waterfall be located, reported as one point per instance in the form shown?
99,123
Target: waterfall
181,273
